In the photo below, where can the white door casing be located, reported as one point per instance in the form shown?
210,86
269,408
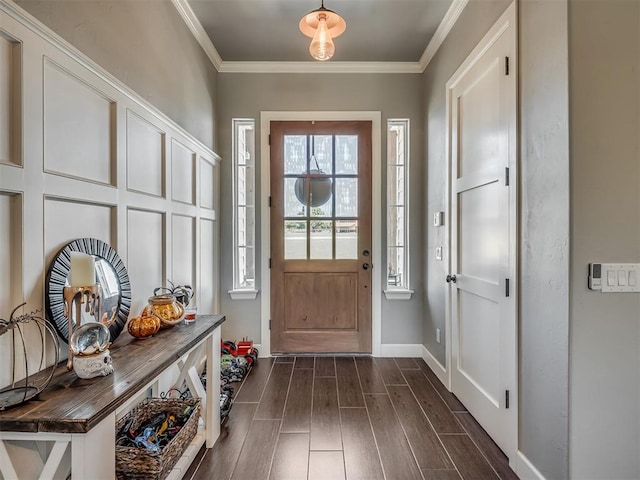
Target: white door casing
482,303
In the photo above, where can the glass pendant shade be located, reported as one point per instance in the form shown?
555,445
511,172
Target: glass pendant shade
322,25
322,47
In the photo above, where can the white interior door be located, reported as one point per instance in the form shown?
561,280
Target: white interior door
483,232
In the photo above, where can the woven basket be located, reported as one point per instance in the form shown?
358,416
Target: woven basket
133,462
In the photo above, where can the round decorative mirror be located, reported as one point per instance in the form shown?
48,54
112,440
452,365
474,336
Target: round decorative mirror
110,274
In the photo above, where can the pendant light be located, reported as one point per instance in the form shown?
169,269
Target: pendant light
322,25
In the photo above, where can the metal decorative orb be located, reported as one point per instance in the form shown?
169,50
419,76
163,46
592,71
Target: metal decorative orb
90,338
320,189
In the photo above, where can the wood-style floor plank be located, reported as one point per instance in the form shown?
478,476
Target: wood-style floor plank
326,466
361,458
406,363
467,458
370,378
297,412
449,398
325,367
257,451
325,416
439,415
441,475
423,440
291,459
487,446
271,404
397,459
253,384
389,371
304,362
285,359
222,458
349,392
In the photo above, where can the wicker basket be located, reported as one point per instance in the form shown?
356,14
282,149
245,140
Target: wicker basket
133,462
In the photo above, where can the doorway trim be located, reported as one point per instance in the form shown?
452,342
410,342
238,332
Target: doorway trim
266,117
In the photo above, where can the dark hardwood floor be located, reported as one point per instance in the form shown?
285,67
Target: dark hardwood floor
351,418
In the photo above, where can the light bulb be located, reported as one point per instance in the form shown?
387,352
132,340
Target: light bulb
322,47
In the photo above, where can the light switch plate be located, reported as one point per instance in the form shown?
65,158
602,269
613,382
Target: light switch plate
438,253
438,219
614,277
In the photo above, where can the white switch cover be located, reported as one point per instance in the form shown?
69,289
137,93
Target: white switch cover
616,277
438,253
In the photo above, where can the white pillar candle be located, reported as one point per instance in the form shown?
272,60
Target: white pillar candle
83,270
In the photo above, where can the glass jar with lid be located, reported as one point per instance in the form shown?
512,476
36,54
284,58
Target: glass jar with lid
167,308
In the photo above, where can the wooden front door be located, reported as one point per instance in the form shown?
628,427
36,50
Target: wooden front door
320,237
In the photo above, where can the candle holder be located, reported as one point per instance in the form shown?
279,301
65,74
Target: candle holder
74,298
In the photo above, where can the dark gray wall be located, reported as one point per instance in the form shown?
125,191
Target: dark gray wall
604,46
396,96
148,47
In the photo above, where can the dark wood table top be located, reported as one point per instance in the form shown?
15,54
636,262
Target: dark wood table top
73,405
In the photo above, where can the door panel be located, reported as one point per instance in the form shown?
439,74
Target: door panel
320,227
483,313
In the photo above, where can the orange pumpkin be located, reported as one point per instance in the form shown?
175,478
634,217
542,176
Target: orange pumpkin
143,326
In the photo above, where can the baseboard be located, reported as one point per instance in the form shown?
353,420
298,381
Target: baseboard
435,365
400,350
525,469
261,354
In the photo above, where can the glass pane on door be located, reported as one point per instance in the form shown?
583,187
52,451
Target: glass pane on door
295,240
295,154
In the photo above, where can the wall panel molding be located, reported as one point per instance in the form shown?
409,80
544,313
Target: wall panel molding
10,99
95,161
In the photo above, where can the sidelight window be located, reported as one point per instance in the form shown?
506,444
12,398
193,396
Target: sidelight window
397,205
244,209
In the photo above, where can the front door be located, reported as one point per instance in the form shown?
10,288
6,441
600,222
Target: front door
483,232
321,237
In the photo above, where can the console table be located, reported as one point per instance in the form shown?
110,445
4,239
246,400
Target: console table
70,427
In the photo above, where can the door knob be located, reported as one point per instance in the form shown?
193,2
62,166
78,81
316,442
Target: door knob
451,278
365,253
366,266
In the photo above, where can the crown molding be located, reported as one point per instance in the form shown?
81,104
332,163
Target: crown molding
320,67
447,23
449,20
189,17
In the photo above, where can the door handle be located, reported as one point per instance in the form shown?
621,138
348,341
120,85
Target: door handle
451,279
366,266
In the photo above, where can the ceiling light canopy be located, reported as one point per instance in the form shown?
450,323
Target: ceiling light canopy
322,25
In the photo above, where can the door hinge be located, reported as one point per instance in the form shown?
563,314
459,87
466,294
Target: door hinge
506,178
269,324
269,139
506,287
269,201
506,399
506,65
269,262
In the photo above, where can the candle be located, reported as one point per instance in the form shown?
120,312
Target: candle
83,273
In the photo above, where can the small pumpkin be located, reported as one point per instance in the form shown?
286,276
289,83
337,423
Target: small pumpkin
143,326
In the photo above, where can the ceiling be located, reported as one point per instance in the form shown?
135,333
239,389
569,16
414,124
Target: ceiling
267,30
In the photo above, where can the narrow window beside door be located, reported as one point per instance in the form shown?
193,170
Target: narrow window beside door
243,209
397,207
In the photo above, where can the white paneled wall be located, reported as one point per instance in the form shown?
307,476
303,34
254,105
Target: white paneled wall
82,156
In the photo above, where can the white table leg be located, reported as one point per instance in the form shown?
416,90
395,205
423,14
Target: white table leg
93,453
